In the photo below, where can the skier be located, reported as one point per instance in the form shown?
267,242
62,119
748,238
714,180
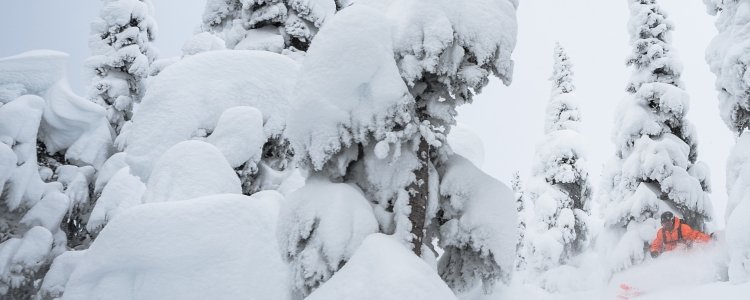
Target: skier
674,234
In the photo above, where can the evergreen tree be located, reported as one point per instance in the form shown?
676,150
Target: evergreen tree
729,58
655,167
121,55
383,126
561,191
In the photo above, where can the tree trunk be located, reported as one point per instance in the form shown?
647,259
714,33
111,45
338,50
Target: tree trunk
418,193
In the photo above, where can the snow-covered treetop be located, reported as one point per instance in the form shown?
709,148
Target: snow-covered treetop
121,57
651,58
562,110
284,23
728,58
562,75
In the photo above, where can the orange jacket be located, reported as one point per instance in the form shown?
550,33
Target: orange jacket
669,240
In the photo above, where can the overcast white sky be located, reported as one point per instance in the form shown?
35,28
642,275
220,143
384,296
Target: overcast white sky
508,119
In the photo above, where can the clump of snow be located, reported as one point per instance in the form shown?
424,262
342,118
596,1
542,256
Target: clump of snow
57,277
188,170
320,227
69,121
354,51
382,268
478,237
123,191
194,92
239,135
220,246
465,142
202,42
728,58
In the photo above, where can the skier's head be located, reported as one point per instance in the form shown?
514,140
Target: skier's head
667,220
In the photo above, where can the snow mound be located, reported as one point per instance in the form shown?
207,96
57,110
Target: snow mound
239,135
214,247
124,191
465,142
202,42
188,170
478,237
382,268
320,227
193,93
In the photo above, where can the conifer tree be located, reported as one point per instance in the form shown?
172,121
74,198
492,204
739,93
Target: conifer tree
121,55
561,190
655,166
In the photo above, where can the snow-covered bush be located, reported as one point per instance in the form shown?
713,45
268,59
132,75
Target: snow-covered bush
655,167
122,53
268,25
556,221
51,141
400,69
728,57
320,227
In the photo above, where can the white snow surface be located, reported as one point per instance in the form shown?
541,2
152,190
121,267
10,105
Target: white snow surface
189,170
193,93
214,247
382,268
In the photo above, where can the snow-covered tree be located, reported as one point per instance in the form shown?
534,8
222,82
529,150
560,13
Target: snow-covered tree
271,25
655,167
51,141
560,190
728,55
383,125
121,55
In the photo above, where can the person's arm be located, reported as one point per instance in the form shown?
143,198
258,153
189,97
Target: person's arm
656,244
693,235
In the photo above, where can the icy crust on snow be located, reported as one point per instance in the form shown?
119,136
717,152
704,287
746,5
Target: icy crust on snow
382,268
478,236
189,170
728,58
320,227
220,246
69,122
193,93
353,51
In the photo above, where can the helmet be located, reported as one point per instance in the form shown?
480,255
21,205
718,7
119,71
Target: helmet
666,217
